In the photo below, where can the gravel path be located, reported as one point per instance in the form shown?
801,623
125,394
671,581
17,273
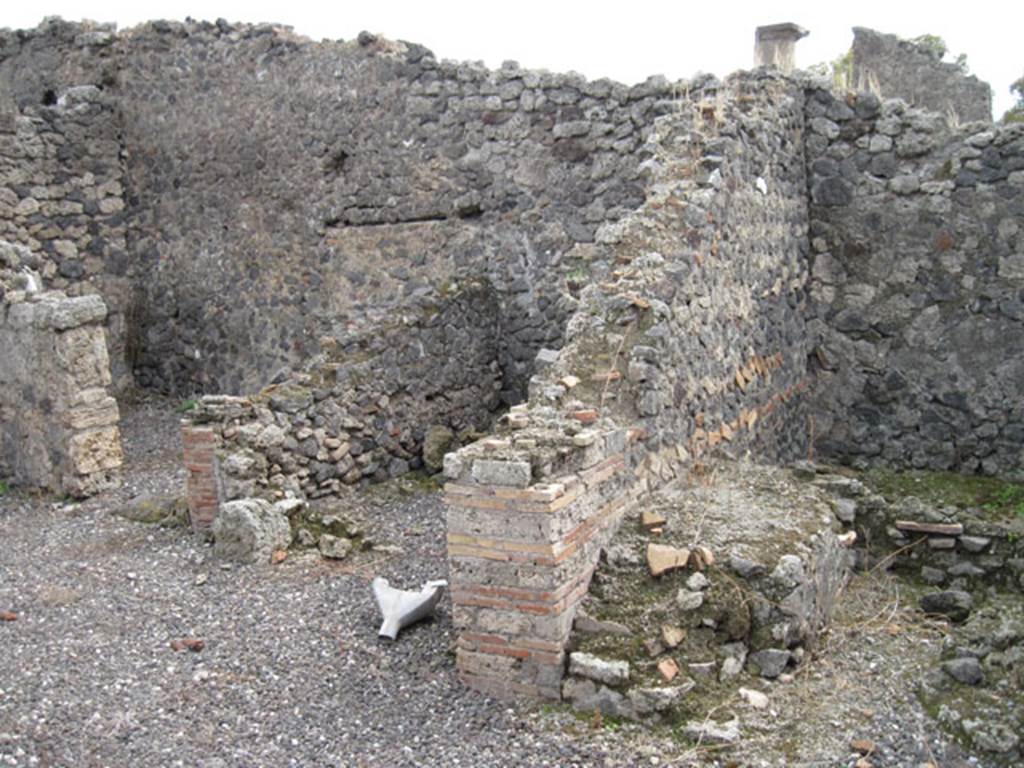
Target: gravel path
292,672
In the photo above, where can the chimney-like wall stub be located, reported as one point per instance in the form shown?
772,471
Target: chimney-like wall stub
775,46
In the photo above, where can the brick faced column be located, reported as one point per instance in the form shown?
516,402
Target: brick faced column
199,446
521,560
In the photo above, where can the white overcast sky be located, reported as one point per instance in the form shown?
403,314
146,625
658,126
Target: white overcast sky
625,40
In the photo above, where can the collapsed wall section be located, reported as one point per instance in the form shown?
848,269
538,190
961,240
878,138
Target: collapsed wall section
58,423
918,286
374,405
688,337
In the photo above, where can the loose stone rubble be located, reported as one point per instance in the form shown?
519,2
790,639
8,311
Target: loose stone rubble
718,622
249,531
752,634
967,558
353,416
956,547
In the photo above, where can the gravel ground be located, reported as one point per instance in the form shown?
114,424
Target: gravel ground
292,672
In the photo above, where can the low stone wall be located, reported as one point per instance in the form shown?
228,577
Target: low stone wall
527,518
59,424
943,546
373,406
917,287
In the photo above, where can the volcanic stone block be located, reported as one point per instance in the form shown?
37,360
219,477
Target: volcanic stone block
513,473
249,530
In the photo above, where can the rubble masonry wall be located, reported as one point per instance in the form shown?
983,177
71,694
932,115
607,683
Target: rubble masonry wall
918,287
694,342
374,405
643,256
260,220
61,196
263,217
900,69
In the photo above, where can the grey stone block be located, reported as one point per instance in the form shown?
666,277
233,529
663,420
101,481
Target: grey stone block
966,670
510,473
595,668
249,530
954,603
770,662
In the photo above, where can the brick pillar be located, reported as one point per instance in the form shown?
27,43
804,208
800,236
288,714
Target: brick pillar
199,446
521,557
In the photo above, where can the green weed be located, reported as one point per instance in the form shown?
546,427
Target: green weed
993,495
1008,498
187,405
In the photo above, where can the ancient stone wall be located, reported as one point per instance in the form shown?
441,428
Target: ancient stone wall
899,69
374,405
918,286
263,219
262,216
58,422
396,248
37,65
689,339
61,196
527,516
719,253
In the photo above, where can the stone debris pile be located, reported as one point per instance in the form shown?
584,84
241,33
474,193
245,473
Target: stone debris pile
696,628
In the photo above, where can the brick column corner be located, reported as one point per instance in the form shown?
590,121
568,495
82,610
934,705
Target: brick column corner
521,555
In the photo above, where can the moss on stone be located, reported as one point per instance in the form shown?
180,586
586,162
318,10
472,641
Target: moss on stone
998,700
323,517
996,498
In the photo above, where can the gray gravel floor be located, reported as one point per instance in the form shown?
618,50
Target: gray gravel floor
292,672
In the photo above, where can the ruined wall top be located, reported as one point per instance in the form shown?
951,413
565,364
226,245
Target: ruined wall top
901,69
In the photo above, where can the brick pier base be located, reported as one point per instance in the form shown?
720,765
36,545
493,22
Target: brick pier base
521,559
199,445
